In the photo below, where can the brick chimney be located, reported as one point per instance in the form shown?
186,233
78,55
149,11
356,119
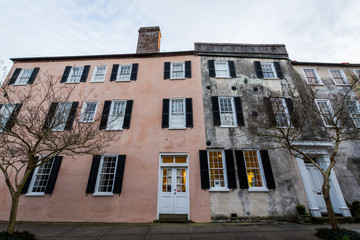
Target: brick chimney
149,40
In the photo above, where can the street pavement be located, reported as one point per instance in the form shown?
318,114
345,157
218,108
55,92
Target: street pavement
159,231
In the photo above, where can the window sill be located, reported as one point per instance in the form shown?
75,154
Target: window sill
35,194
97,81
120,129
214,189
103,194
226,77
20,84
316,84
258,189
271,78
171,128
122,80
86,121
228,126
343,85
72,82
183,78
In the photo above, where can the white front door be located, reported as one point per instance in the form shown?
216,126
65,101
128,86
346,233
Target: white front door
316,181
173,192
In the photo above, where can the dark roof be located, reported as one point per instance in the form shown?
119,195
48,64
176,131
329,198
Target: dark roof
325,64
109,56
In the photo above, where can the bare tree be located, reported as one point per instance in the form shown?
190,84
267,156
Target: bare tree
308,118
39,122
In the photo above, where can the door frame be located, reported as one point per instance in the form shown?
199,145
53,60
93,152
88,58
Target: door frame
173,165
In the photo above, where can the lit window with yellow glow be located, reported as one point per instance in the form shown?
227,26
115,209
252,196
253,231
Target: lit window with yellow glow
253,169
216,170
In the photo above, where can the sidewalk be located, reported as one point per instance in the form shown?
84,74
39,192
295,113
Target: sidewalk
158,231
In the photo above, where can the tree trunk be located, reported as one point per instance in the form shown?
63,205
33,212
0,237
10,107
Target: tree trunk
329,207
13,212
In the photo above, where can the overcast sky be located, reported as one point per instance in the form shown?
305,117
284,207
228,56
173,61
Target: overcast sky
312,30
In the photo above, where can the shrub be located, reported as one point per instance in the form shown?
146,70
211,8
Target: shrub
338,234
300,209
25,235
355,209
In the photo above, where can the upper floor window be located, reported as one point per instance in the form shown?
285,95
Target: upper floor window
221,69
126,72
61,116
177,70
338,76
268,70
99,74
75,74
88,112
227,111
326,112
23,76
357,73
177,113
6,111
116,115
353,107
311,76
281,112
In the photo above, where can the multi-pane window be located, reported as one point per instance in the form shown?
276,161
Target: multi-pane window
75,74
353,107
281,112
124,73
41,177
311,76
5,113
177,70
61,116
268,70
116,115
338,76
106,175
88,112
217,169
99,74
177,113
24,76
357,72
253,169
326,111
227,113
222,69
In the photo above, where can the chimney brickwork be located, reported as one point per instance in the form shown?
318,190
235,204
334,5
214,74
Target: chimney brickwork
149,40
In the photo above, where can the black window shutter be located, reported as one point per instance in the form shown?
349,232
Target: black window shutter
85,73
105,115
119,174
33,75
269,111
279,72
240,162
189,113
267,169
204,169
11,122
53,175
50,115
239,111
165,113
258,70
230,169
65,74
134,71
27,183
72,115
216,111
114,72
187,69
232,69
290,106
127,117
90,188
166,70
211,66
15,76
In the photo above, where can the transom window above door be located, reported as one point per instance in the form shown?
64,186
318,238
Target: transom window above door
169,159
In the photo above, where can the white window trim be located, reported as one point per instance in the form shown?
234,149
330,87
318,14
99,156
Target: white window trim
233,113
218,189
96,192
170,108
331,110
318,79
342,74
19,76
351,114
273,70
83,110
118,73
95,71
72,72
171,70
32,182
357,74
161,164
111,108
227,69
264,188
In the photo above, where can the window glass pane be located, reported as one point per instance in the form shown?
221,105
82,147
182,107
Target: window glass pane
124,72
311,76
326,111
88,113
253,169
116,116
177,113
280,112
180,159
177,70
75,74
354,110
42,177
222,69
226,112
167,159
107,174
180,180
268,70
338,76
24,76
5,113
61,116
166,179
99,74
216,169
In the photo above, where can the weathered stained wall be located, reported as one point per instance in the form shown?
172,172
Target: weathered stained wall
289,188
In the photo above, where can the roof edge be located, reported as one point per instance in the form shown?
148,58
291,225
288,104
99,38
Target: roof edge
344,64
